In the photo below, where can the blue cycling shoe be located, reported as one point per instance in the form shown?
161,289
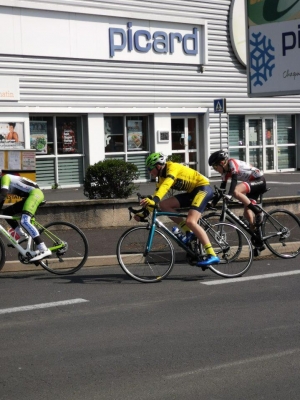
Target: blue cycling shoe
209,261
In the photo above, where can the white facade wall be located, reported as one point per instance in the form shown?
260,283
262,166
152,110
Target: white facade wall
96,87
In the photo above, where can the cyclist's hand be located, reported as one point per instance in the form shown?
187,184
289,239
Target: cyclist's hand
148,203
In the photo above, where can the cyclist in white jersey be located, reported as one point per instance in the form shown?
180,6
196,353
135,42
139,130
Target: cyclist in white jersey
32,197
253,183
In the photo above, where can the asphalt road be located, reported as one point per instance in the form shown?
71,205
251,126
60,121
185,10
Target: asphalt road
192,336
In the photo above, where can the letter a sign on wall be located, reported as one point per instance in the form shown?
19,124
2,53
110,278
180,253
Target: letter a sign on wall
273,47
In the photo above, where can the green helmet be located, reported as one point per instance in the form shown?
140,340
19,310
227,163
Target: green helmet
154,159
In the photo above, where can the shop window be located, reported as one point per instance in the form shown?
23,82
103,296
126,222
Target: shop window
69,135
238,153
114,134
125,134
42,135
237,130
286,157
286,129
59,149
137,133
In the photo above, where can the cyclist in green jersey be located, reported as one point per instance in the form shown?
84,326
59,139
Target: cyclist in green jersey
32,197
198,194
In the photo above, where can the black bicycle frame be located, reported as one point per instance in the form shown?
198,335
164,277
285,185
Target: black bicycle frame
255,235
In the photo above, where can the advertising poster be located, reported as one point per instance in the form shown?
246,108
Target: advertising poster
28,160
134,135
38,136
68,140
11,135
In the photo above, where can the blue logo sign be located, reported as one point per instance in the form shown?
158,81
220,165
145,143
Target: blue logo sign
261,59
143,41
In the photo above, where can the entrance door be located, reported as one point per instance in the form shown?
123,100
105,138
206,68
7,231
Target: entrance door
261,143
184,140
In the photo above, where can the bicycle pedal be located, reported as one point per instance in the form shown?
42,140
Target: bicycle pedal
256,252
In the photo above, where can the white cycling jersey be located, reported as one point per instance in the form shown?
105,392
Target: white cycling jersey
244,171
18,185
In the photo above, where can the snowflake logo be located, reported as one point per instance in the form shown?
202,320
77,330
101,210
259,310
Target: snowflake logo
261,58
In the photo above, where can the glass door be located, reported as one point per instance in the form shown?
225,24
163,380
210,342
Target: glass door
261,148
184,140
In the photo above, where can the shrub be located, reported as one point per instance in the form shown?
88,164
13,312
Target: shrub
110,179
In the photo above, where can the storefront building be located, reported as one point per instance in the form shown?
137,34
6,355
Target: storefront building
120,79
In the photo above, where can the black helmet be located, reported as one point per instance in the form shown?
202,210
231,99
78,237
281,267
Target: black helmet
217,156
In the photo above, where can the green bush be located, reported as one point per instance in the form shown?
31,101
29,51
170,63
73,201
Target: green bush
110,179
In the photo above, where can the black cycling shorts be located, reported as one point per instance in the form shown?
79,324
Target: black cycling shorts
256,188
197,199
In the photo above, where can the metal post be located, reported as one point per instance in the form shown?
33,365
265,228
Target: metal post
220,130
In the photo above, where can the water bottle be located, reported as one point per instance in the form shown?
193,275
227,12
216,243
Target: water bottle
14,234
177,232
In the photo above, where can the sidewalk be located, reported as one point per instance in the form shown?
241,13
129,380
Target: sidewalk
282,185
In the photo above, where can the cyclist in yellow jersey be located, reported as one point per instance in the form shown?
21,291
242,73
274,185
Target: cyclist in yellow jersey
198,194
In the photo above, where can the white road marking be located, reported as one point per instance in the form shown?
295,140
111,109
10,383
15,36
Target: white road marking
42,305
234,364
250,278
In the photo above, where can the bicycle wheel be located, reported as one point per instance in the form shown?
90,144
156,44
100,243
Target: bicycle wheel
283,229
72,256
151,267
233,248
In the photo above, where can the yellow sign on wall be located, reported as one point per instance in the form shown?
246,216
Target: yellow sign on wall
18,162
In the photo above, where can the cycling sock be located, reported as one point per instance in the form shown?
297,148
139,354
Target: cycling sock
209,250
182,225
254,208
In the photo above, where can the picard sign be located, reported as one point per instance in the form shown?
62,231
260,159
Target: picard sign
9,88
156,43
83,36
273,44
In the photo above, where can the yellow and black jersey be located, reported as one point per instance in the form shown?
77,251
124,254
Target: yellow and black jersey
178,177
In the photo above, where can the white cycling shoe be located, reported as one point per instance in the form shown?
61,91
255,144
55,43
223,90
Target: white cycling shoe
40,254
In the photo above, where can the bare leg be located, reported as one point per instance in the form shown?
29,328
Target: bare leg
240,194
192,223
171,205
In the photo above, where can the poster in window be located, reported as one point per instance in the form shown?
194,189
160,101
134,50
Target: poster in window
12,135
134,135
68,139
38,136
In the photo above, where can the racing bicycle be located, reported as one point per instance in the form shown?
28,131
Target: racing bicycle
66,241
279,231
146,253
